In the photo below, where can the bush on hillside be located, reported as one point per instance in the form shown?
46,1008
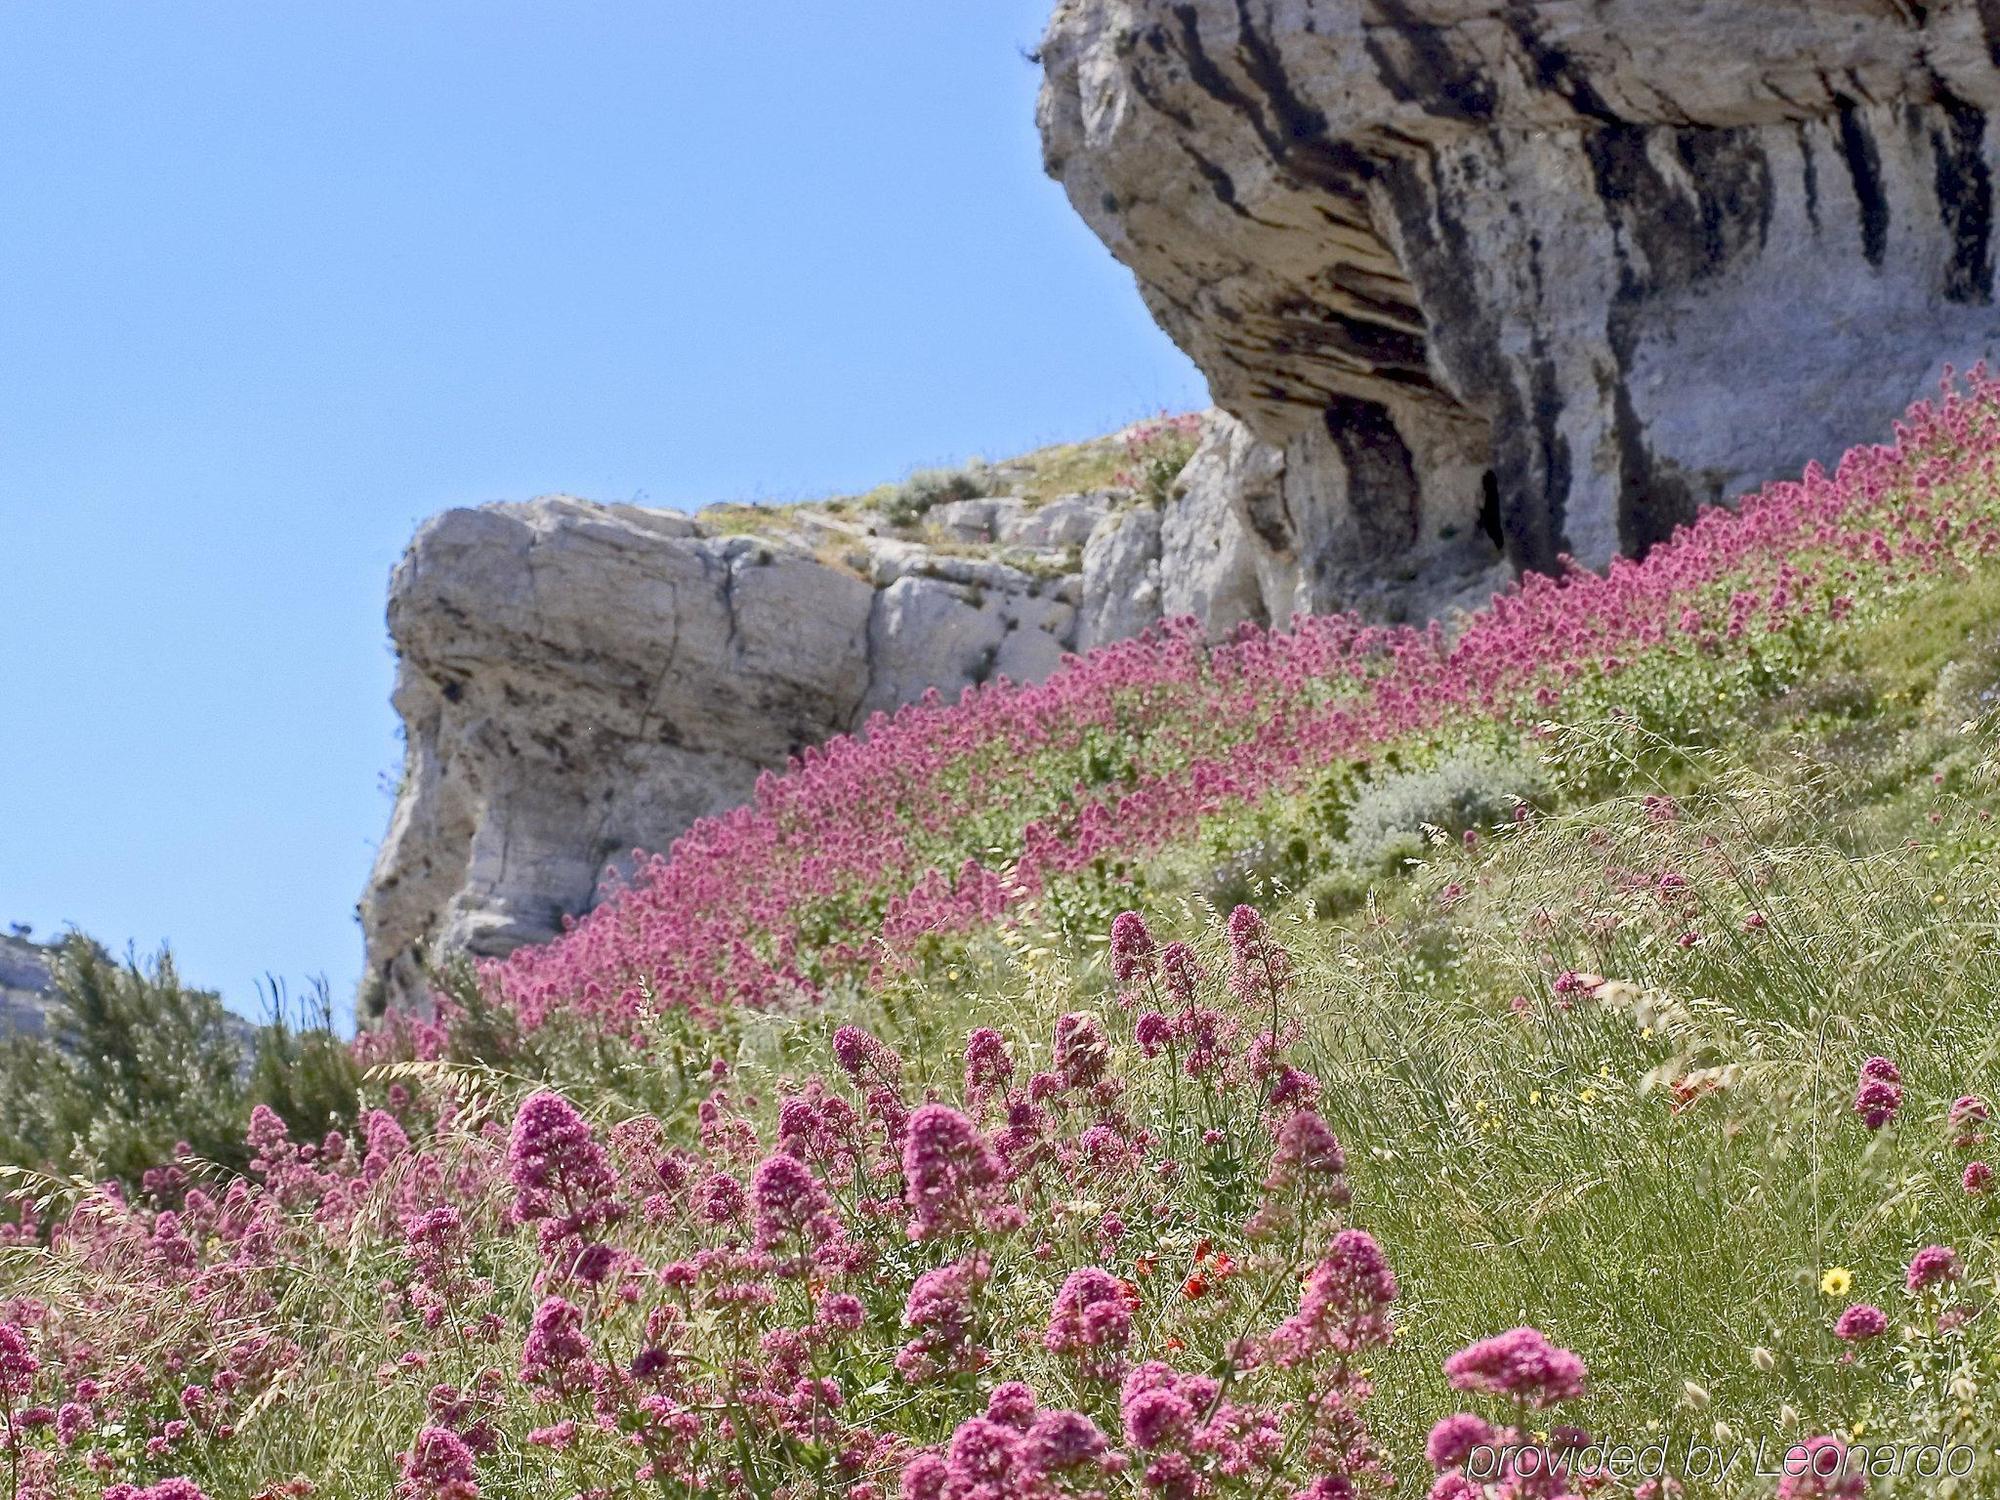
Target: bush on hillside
135,1064
1155,454
1469,788
914,497
303,1068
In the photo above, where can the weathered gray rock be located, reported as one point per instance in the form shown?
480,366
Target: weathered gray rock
27,989
1550,273
984,520
1065,521
1121,578
579,680
928,632
1208,566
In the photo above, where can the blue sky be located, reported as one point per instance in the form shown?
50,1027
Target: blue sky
282,280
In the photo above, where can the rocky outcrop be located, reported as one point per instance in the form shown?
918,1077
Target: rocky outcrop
27,985
1544,274
1475,284
577,681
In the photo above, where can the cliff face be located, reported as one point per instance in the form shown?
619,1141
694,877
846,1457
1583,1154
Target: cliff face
1560,271
1474,284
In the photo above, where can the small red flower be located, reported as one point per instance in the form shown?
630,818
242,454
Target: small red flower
1195,1286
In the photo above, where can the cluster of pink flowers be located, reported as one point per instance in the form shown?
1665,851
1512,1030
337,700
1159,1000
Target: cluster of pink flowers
1520,1365
1481,1460
692,1302
765,905
839,1280
1879,1092
1967,1120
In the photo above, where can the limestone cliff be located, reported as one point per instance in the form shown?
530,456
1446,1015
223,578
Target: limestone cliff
1558,271
579,680
1475,283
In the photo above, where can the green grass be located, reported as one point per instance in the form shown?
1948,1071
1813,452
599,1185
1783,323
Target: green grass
1538,1168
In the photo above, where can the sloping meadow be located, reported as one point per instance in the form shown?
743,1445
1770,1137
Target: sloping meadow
925,1129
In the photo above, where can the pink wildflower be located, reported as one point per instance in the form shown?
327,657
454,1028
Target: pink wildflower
1131,948
1932,1266
1180,973
949,1171
1308,1158
1344,1306
793,1208
1521,1365
989,1067
1861,1322
1082,1050
556,1355
438,1467
17,1362
1090,1320
562,1178
867,1060
940,1310
1968,1117
1454,1438
1877,1102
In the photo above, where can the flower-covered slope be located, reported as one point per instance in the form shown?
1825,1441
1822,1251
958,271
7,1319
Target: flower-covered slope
942,815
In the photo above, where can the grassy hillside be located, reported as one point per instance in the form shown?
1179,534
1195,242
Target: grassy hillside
1299,1068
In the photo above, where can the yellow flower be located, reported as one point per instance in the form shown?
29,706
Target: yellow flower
1535,1097
1837,1282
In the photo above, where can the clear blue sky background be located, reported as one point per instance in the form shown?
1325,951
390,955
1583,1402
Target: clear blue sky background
281,280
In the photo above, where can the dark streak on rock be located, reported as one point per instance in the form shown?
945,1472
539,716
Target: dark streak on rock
1864,167
1553,68
1535,505
1440,258
1294,138
1428,75
1264,512
1381,474
1810,163
1219,181
1989,24
1638,202
1653,499
1365,332
1310,325
1732,200
1732,179
1965,200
